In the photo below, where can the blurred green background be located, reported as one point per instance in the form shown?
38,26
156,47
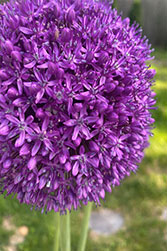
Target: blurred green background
141,199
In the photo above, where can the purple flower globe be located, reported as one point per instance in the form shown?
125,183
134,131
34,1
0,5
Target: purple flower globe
75,101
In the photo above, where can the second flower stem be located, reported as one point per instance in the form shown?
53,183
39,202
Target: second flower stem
57,235
65,234
85,227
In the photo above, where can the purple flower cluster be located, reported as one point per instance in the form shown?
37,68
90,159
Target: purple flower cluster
75,100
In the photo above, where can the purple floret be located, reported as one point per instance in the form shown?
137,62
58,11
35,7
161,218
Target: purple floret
75,101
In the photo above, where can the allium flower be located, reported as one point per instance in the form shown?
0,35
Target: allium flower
75,100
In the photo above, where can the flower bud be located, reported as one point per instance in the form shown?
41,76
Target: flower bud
78,107
34,88
40,113
102,106
16,55
77,141
118,90
26,44
30,176
150,73
52,67
8,46
77,4
57,10
24,150
109,109
127,90
60,73
7,163
102,194
126,21
3,75
153,94
68,166
93,146
12,92
89,56
32,163
4,130
135,69
103,58
113,117
109,87
66,35
70,15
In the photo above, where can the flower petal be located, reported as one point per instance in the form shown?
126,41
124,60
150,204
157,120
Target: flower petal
26,31
56,185
43,66
19,102
62,158
107,162
48,144
29,119
29,130
86,132
91,119
36,148
39,95
70,122
42,182
20,86
38,75
7,163
45,124
9,81
75,168
75,133
20,141
32,163
4,130
102,194
24,150
30,65
94,162
16,55
93,146
18,178
49,91
68,166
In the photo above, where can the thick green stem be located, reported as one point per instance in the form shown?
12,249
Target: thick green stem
57,235
65,232
85,227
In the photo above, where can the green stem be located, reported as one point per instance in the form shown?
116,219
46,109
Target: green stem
57,235
85,227
65,232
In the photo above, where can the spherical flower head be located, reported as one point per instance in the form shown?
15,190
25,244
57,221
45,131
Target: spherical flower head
75,101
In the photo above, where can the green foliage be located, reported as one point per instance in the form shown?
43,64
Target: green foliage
3,1
115,4
135,12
